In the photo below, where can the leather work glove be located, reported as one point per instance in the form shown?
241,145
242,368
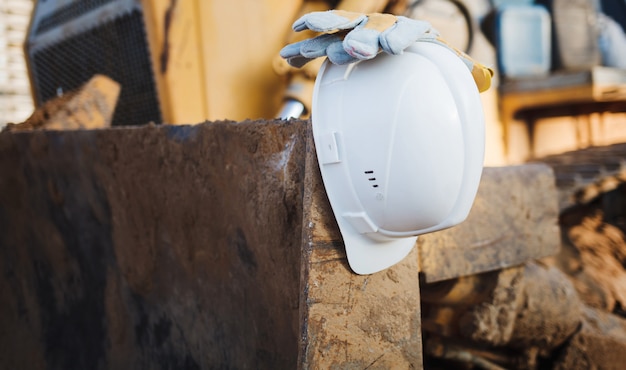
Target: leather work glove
348,37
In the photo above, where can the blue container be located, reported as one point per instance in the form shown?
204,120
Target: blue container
523,41
502,3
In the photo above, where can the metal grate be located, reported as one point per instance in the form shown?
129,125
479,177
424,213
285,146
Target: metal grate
67,13
118,49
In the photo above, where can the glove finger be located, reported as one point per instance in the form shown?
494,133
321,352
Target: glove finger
316,47
291,50
298,61
362,43
328,21
402,34
337,54
292,54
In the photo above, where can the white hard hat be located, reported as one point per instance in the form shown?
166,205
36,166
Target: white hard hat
400,144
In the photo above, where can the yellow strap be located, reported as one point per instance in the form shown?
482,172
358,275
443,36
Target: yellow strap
482,74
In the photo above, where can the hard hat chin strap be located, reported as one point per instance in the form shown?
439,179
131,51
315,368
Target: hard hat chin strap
482,74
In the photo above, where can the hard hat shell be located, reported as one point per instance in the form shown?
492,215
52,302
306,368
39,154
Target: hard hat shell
400,144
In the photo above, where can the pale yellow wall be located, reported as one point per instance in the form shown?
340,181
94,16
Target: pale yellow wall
494,148
240,40
219,57
557,135
611,128
551,135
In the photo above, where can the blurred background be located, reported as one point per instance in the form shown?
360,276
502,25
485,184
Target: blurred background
559,82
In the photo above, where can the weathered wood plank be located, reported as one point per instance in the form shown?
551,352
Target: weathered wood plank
352,321
514,219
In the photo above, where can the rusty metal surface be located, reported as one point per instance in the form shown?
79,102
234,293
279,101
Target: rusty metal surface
151,247
514,219
351,321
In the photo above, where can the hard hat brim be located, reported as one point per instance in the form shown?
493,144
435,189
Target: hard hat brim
366,255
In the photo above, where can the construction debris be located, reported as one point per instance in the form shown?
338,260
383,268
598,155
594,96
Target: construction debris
89,107
565,311
599,344
583,175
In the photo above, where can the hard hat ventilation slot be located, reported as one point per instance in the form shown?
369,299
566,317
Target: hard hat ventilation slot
371,178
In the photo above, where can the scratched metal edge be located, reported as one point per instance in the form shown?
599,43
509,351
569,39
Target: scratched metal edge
307,247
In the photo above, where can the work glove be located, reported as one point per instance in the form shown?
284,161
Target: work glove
348,37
